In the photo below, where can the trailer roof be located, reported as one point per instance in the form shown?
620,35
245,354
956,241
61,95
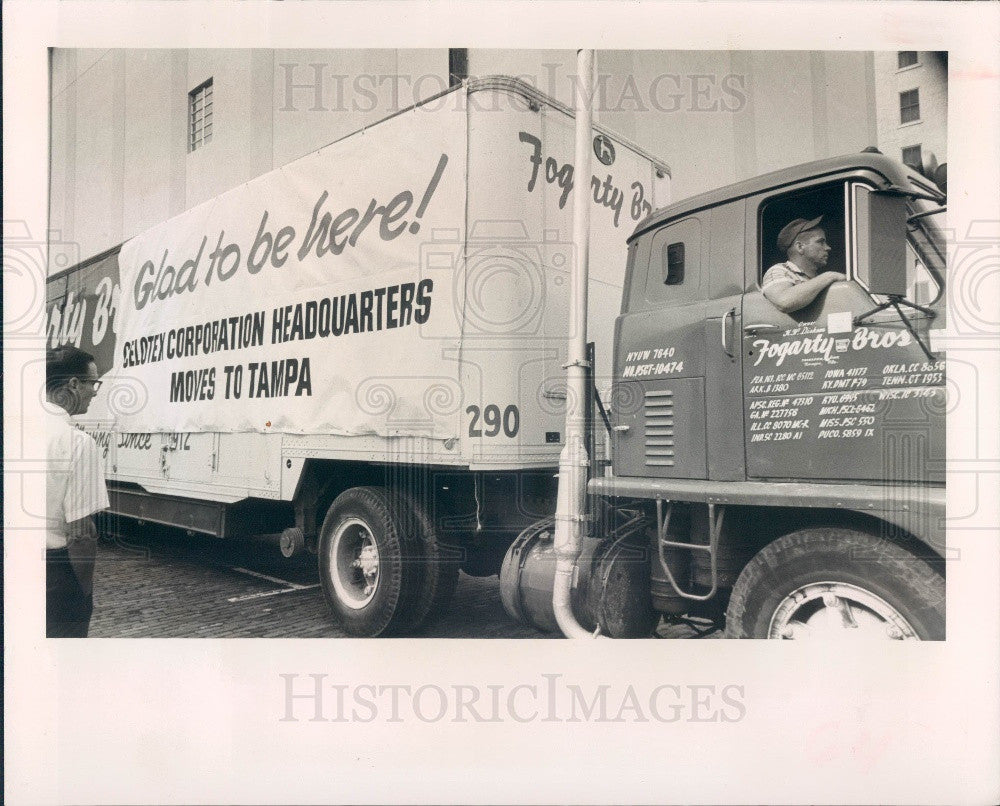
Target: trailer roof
533,95
892,170
522,88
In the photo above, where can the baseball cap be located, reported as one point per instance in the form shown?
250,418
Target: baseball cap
792,229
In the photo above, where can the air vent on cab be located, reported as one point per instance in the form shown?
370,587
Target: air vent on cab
658,411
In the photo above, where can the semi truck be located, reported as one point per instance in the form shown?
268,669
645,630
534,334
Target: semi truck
776,475
359,353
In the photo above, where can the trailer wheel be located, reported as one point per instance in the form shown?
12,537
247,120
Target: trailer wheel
837,583
439,565
369,565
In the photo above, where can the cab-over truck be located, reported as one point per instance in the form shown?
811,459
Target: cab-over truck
781,473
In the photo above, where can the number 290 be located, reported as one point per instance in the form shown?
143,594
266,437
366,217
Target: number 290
493,421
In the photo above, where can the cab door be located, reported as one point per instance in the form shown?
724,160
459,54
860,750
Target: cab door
723,359
827,398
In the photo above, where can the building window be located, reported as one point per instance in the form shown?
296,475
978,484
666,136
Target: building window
200,115
909,106
906,58
912,156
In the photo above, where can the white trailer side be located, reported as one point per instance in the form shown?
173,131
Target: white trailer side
388,312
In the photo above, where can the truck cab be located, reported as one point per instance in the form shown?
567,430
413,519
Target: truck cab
742,432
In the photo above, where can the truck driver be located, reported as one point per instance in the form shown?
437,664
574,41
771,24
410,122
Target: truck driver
796,282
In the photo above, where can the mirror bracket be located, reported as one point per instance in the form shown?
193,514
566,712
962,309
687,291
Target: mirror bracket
895,301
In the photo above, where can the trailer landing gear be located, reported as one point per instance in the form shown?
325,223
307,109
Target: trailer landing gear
292,542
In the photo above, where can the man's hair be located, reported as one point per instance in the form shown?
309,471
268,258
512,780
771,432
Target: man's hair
63,363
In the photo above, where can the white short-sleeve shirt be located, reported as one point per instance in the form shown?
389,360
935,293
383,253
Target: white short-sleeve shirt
75,486
782,274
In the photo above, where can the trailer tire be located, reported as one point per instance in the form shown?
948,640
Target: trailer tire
369,564
439,565
831,581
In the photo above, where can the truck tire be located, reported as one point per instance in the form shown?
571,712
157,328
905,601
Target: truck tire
439,566
369,564
830,583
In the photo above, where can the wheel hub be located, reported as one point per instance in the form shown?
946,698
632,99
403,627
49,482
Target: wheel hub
356,563
838,610
367,564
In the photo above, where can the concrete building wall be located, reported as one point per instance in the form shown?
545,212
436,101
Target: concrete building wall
155,145
120,158
88,119
321,95
930,76
683,103
241,144
716,116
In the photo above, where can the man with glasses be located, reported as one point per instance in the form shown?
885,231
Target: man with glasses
75,490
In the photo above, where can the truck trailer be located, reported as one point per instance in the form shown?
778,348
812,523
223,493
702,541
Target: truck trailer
778,475
360,353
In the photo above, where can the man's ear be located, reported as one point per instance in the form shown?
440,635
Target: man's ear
64,396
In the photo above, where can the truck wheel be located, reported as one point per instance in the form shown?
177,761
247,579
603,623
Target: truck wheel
439,565
369,564
837,583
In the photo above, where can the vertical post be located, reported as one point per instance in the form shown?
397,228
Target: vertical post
458,66
573,461
590,442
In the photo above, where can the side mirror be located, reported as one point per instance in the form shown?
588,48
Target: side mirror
882,242
941,177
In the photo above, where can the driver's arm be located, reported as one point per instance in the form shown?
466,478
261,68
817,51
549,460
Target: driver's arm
788,297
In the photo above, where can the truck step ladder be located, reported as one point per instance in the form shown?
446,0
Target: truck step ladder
714,529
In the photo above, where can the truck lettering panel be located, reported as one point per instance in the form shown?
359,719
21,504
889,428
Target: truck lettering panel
842,405
81,310
337,306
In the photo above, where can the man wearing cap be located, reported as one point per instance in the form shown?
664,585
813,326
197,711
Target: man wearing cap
795,283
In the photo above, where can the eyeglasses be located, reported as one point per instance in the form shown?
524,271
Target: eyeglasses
96,383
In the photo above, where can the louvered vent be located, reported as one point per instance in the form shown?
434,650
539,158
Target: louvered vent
658,410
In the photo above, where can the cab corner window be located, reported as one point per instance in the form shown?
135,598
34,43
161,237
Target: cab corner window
674,264
674,273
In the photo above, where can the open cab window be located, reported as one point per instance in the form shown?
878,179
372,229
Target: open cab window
831,201
846,207
827,201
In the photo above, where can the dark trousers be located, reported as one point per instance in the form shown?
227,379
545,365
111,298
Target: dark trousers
67,606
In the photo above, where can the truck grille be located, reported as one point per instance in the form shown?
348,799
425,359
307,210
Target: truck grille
658,410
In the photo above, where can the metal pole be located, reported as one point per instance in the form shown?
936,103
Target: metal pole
573,461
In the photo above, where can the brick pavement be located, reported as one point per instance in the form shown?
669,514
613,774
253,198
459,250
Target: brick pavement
163,584
153,582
